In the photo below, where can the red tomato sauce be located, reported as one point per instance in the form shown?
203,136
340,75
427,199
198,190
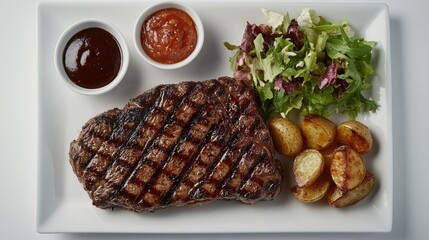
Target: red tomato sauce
169,36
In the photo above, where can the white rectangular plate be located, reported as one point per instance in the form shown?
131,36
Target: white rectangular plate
63,205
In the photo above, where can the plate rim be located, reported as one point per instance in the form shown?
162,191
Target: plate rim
41,227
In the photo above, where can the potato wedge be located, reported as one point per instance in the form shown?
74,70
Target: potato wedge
347,168
318,132
356,135
340,199
313,192
286,136
307,167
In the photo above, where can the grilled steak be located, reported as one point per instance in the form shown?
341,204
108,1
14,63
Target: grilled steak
178,144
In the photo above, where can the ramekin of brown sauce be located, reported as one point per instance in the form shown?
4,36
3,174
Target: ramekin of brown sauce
92,57
168,35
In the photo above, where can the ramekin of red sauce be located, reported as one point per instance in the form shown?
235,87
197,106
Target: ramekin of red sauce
92,57
168,35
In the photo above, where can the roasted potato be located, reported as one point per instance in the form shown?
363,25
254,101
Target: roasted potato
339,198
356,135
347,168
313,192
328,152
286,136
307,167
318,132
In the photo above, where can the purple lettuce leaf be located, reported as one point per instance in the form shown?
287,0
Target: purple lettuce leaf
252,31
294,34
288,86
242,75
341,89
241,59
329,77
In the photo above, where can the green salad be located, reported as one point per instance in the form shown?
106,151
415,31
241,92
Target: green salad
308,64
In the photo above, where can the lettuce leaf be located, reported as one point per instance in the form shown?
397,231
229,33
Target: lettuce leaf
306,64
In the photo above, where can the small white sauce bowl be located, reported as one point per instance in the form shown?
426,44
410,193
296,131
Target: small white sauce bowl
156,7
65,38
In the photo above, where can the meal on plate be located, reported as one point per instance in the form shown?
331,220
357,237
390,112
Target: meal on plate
195,142
178,144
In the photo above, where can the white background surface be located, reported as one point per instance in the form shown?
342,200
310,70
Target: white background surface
409,45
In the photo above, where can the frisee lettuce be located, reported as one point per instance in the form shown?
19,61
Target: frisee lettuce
309,65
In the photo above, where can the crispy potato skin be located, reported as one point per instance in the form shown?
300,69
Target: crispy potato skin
307,167
286,135
327,158
341,199
356,135
315,191
347,168
318,132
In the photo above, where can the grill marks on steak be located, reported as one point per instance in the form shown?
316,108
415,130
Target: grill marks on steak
178,144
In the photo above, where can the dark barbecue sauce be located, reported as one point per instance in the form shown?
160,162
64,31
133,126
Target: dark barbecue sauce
169,36
92,58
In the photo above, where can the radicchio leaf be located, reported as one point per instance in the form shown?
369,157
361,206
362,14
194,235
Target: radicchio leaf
329,76
242,75
294,35
341,89
268,35
288,86
241,59
252,31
